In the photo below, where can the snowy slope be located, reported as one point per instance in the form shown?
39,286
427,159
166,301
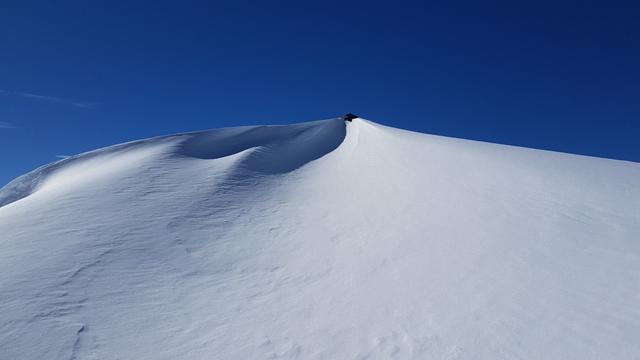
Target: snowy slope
321,240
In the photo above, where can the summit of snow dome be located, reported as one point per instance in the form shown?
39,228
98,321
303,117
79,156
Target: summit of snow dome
321,240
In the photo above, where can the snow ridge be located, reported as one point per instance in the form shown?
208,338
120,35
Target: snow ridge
273,150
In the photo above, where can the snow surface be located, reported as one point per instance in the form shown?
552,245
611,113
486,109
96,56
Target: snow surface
321,240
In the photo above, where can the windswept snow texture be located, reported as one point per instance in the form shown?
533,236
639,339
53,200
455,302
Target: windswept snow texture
321,240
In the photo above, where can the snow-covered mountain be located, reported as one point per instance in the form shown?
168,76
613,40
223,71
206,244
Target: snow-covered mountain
321,240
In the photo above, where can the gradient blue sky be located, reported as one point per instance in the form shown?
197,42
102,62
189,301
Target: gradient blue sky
77,75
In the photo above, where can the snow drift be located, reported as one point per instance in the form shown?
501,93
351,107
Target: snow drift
321,240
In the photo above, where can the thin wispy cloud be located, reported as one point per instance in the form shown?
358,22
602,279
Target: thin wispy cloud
51,99
6,125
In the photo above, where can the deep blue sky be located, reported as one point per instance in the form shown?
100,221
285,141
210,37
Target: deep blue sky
77,75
